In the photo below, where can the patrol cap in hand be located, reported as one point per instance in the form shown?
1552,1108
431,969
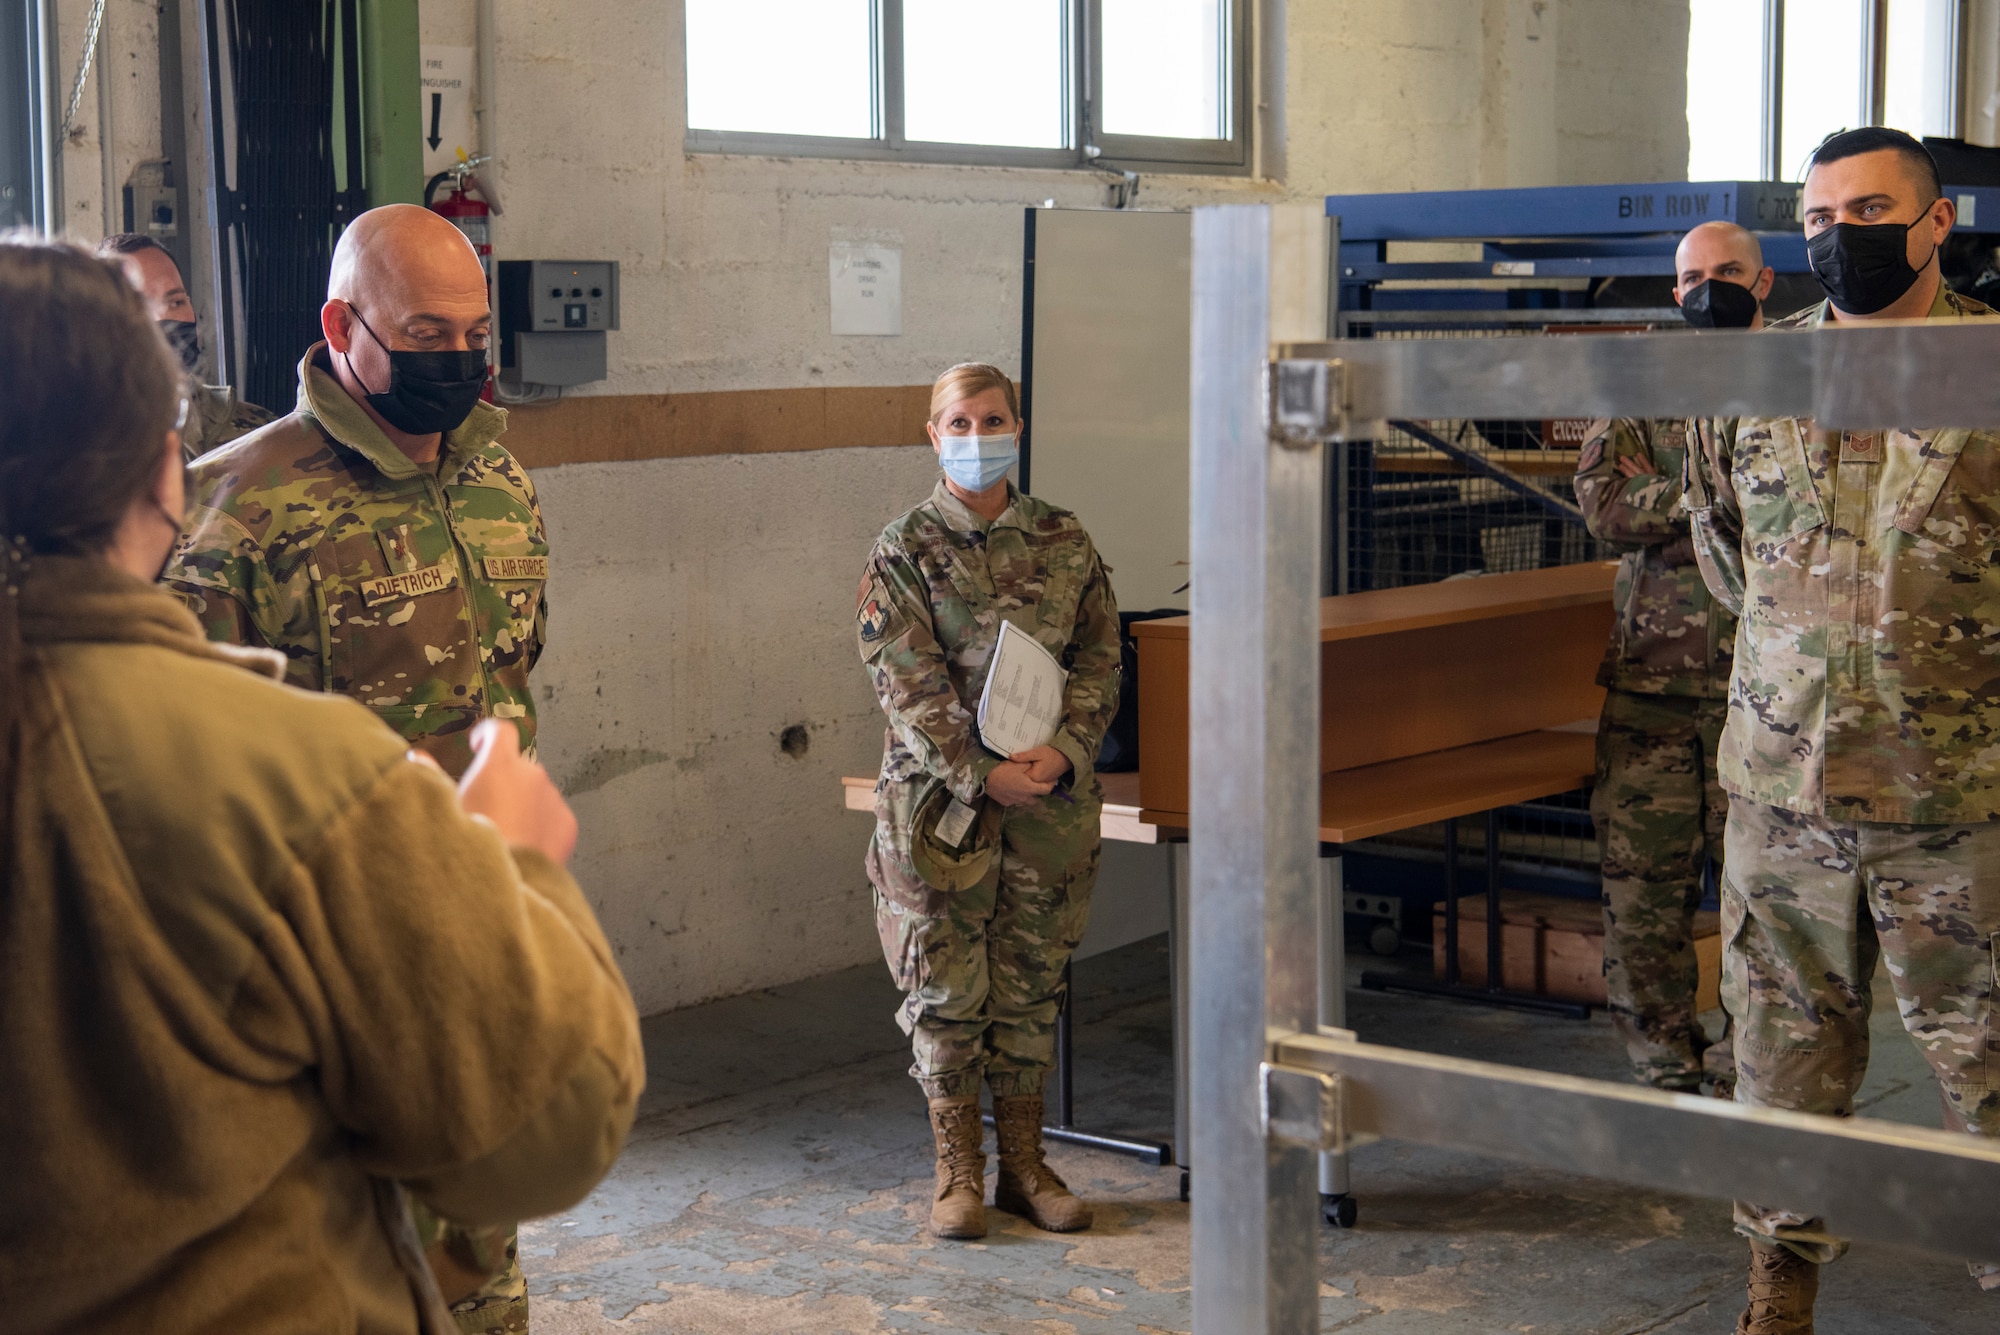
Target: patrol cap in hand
945,865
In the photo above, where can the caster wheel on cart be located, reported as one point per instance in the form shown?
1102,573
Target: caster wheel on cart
1339,1211
1184,1184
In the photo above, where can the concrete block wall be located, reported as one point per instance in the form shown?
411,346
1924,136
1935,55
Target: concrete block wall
703,605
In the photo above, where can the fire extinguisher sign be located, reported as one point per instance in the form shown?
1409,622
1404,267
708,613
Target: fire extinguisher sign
447,107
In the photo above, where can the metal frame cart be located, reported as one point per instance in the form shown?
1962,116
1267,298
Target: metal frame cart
1271,1086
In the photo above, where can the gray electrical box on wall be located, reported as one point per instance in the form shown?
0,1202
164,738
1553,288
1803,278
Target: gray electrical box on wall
552,317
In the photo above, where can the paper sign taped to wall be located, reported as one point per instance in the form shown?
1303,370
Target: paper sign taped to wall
446,88
867,280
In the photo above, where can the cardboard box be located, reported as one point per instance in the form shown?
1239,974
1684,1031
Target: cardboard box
1553,946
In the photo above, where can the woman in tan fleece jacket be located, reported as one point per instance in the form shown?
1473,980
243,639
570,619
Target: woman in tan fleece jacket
260,972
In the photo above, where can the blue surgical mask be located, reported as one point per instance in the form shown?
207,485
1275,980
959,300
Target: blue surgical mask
977,462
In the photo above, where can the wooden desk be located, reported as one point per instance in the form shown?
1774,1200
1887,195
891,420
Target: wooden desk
1434,668
1436,701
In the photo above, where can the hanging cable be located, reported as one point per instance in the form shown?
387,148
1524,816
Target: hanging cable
90,34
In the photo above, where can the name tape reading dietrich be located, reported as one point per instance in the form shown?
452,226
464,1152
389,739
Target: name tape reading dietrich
409,584
517,567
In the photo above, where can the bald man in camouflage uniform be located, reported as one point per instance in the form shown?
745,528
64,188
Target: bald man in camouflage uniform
404,568
1657,804
982,965
1864,724
416,589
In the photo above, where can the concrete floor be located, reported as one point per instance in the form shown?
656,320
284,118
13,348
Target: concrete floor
778,1181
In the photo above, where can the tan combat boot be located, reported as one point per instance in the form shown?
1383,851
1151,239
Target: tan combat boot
1782,1287
1028,1187
958,1210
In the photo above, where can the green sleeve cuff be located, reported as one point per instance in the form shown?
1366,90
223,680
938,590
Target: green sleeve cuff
1082,763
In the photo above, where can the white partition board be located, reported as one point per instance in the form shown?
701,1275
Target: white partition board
1108,384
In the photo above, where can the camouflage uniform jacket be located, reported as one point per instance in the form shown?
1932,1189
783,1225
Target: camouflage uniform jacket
216,417
416,590
1867,682
930,605
1671,638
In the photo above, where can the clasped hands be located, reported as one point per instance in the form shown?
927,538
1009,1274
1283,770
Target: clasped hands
1026,775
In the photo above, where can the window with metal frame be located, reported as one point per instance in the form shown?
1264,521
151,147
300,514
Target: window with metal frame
1767,82
1156,84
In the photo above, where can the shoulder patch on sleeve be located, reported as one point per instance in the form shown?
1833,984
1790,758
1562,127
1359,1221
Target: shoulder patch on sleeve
874,612
1592,455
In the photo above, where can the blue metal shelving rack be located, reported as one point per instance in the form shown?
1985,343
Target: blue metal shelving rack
1421,505
1555,232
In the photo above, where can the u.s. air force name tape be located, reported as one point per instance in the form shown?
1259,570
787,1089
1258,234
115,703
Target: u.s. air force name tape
409,584
517,567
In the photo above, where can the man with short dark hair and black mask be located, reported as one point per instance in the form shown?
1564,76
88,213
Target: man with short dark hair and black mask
216,415
1864,814
384,540
1657,805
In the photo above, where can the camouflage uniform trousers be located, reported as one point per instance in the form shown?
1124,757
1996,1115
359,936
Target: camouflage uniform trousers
483,1260
1659,812
1809,905
985,977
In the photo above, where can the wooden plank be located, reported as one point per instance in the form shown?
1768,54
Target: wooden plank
1121,791
1407,671
857,793
1121,820
1436,465
1416,790
1392,611
1443,686
619,428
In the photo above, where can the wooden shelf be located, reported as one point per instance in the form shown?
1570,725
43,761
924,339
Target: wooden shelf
1462,781
1406,672
1446,603
1374,799
1121,819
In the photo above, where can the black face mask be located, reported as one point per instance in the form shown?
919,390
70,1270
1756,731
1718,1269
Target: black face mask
1717,303
1864,267
428,392
184,337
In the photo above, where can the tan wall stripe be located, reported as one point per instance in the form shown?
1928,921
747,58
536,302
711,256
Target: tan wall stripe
615,428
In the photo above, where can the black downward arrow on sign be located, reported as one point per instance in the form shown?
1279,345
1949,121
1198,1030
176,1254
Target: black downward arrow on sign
437,109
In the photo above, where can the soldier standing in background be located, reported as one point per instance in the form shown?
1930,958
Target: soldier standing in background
1657,804
983,864
1864,813
390,547
215,415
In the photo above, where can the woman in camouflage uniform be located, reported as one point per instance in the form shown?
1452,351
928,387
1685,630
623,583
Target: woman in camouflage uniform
978,919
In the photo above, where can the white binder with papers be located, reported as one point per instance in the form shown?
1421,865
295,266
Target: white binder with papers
1022,704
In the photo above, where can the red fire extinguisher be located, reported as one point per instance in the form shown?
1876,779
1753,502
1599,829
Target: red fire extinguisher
469,206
